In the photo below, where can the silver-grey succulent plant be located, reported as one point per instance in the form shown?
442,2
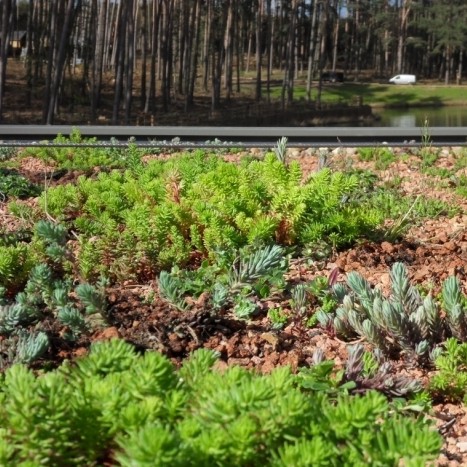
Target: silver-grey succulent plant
405,322
383,379
456,308
31,346
281,150
252,267
365,371
299,302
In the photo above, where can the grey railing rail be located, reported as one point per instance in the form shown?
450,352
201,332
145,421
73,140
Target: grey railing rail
201,136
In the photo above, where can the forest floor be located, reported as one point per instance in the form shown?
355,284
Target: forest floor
432,251
20,106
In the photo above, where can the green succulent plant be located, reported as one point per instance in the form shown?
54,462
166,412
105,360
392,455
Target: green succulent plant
15,263
118,405
450,380
14,185
155,215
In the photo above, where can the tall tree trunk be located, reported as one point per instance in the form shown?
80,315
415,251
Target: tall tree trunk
218,52
166,52
129,59
459,69
259,23
207,43
98,62
238,49
119,58
52,39
150,105
404,11
7,10
144,51
195,28
40,30
85,42
289,70
60,58
386,45
228,47
68,19
29,53
335,37
269,48
186,42
321,50
111,21
183,45
357,41
311,49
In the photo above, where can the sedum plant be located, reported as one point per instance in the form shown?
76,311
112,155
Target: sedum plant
118,407
25,322
281,150
236,281
47,299
15,263
7,153
137,222
364,371
13,185
72,156
450,379
405,322
455,305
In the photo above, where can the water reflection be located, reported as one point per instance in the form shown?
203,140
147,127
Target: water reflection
415,117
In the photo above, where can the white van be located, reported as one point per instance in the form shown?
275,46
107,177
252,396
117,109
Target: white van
403,79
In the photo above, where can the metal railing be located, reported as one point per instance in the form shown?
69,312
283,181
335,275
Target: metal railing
222,137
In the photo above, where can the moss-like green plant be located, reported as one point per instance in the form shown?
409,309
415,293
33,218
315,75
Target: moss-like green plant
321,288
411,209
278,317
15,264
15,185
70,155
12,238
116,405
366,153
137,222
450,380
164,211
61,201
7,153
382,156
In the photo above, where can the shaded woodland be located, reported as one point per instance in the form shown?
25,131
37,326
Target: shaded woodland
154,51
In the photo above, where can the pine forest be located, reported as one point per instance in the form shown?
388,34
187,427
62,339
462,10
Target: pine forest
155,53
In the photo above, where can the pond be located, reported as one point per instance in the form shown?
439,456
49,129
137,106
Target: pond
452,116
